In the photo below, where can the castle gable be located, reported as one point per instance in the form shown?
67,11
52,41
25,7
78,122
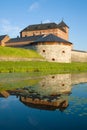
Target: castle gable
2,37
62,24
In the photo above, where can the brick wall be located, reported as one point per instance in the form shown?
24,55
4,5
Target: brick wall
56,32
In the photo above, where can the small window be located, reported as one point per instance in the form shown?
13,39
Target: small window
63,84
43,50
63,51
53,77
25,35
53,59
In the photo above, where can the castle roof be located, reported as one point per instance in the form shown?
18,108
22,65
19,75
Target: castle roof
44,26
2,37
51,38
62,24
41,26
23,39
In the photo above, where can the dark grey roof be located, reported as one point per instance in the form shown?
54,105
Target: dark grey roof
2,36
23,39
51,38
44,26
62,24
41,26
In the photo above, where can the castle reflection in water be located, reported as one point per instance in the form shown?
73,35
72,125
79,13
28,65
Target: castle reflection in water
49,93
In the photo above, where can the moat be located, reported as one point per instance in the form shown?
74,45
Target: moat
35,102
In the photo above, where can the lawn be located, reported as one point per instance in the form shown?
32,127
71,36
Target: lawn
42,66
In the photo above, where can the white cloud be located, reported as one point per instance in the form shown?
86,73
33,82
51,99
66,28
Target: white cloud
6,27
34,6
46,21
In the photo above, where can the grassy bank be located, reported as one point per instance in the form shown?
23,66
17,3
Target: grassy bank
18,53
44,67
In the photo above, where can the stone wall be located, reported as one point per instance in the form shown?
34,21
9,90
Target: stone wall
55,53
78,56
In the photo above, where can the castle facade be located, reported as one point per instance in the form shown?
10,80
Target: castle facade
51,40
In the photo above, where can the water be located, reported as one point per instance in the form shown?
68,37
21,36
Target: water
43,102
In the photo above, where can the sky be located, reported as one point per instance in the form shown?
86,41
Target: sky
15,15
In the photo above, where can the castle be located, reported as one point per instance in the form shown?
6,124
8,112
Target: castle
51,40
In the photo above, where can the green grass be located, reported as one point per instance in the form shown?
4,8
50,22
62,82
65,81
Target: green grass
42,67
18,53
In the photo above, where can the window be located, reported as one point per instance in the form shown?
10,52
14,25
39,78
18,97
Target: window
63,51
43,50
63,84
53,77
53,59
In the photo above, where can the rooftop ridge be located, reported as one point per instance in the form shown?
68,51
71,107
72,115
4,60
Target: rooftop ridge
43,26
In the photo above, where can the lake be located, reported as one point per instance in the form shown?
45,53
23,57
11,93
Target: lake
37,102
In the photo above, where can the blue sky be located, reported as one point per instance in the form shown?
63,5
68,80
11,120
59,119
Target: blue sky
17,14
